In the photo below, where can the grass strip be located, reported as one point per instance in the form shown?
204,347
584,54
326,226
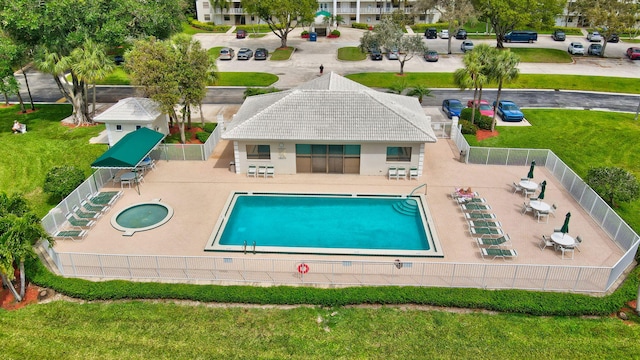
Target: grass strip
282,54
351,53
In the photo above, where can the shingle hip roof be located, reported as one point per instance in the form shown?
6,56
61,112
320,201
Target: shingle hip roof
331,108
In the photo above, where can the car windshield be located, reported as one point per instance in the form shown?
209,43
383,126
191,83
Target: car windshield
637,50
509,107
455,105
485,107
577,46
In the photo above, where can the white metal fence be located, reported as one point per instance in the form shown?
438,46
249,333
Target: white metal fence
247,270
188,151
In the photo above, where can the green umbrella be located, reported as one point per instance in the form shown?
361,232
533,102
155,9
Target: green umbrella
565,227
530,174
543,185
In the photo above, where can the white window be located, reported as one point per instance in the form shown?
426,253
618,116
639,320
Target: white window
258,152
205,4
207,17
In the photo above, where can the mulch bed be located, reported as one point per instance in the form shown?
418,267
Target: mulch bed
485,134
7,301
190,134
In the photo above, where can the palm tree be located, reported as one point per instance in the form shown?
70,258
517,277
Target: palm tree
471,76
503,69
91,63
484,55
420,91
398,87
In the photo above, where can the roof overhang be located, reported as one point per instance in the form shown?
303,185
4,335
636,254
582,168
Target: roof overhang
130,150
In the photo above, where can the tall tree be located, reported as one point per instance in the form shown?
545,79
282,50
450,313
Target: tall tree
390,35
90,62
475,73
453,12
506,15
613,184
503,68
11,56
20,229
608,16
57,27
282,16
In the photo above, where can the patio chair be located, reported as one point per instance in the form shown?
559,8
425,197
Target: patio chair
566,249
252,171
139,178
486,232
86,204
484,223
525,179
81,214
546,242
105,197
553,209
413,173
75,235
479,216
578,243
495,242
402,173
526,208
393,173
517,188
271,171
526,192
542,214
473,207
498,253
262,171
79,223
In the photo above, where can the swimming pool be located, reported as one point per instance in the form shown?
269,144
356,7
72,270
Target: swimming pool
325,224
142,217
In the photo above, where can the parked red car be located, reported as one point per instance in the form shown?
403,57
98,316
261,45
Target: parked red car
633,53
484,107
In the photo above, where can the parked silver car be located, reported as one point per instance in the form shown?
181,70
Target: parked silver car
467,45
576,48
392,54
594,36
226,54
245,54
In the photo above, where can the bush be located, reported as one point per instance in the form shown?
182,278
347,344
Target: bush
209,127
60,181
420,28
484,122
468,127
465,114
202,136
259,91
209,26
362,26
335,33
305,32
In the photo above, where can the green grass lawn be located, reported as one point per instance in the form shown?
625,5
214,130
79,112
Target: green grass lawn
117,77
351,53
282,54
28,157
215,51
190,30
538,55
524,81
136,330
600,138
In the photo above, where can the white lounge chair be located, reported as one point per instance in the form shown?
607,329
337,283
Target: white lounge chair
252,171
413,173
262,170
271,171
494,242
74,222
402,173
479,216
75,235
393,173
496,253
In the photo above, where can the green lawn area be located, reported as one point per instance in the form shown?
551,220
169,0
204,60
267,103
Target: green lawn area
117,77
28,157
524,81
137,330
282,54
600,138
190,30
351,53
215,51
538,55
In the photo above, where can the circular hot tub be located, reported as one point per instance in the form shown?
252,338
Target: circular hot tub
141,217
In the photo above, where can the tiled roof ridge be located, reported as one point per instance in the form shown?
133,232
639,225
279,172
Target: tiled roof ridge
405,115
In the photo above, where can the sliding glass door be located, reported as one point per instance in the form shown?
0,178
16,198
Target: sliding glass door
328,159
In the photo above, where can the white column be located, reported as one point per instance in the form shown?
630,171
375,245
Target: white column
335,12
357,11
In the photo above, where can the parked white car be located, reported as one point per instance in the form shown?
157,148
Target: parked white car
594,36
444,34
576,48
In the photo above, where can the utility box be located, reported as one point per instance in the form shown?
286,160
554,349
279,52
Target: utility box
313,36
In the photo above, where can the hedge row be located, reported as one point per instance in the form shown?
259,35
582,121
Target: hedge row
511,301
209,26
362,26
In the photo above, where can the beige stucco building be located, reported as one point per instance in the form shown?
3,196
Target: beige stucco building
330,125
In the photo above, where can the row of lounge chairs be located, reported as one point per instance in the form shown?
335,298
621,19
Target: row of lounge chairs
400,173
483,226
84,216
261,171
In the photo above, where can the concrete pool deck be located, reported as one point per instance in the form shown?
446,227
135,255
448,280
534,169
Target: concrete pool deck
198,190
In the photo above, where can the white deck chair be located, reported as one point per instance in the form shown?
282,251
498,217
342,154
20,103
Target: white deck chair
270,172
517,188
526,208
393,173
262,171
402,173
542,214
546,242
252,171
413,173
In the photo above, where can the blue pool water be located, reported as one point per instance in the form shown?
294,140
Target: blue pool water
324,222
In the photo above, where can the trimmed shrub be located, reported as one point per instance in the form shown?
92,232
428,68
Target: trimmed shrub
468,127
362,26
202,136
209,127
335,33
259,91
305,32
60,181
484,122
209,26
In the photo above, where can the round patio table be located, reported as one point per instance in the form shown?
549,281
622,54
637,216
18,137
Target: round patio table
539,205
529,185
562,239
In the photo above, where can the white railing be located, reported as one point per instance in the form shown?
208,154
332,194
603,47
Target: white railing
249,270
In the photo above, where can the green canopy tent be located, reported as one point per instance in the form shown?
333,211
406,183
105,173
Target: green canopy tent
129,152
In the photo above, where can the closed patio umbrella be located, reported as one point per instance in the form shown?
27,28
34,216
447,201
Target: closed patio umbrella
530,174
543,185
565,227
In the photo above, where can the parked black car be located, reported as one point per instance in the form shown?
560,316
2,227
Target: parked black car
559,35
431,33
260,54
461,34
376,54
613,38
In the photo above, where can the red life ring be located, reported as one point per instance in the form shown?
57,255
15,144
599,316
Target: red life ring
303,268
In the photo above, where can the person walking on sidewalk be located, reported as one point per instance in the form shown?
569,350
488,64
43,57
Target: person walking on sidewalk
321,69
